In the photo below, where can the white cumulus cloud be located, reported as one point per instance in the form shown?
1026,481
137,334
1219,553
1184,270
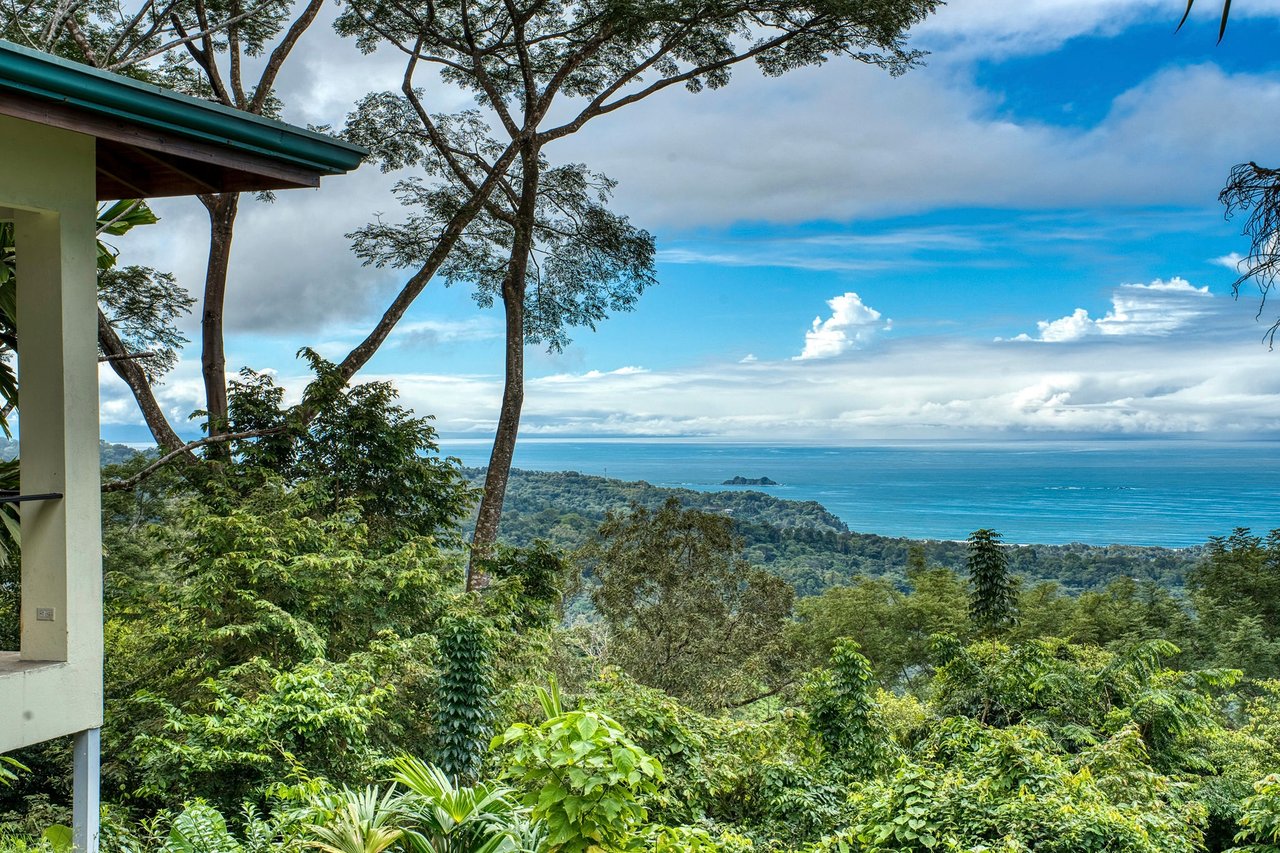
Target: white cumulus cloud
852,325
1157,308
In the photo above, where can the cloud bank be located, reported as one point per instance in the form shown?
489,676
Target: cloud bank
1158,308
1167,358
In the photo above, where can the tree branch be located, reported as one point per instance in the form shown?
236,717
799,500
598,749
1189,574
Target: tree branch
128,370
281,53
129,482
360,355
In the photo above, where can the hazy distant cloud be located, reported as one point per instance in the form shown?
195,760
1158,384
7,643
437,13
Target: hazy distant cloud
1210,377
1136,309
1114,385
833,251
431,333
852,324
1231,260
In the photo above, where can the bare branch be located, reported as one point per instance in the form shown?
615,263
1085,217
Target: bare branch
598,105
360,355
81,42
281,52
103,359
133,376
128,28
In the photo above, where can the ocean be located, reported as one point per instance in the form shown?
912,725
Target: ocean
1169,493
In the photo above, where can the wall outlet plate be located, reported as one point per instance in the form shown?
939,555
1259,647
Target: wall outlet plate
44,614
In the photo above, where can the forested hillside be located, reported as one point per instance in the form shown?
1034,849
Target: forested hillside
111,454
803,543
294,662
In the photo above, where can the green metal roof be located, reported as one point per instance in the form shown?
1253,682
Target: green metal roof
33,73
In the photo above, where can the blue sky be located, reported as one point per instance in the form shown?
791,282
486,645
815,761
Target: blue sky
1021,238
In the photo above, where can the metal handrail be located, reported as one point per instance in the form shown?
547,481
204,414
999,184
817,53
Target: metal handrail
9,496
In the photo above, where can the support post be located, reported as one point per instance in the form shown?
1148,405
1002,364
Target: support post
86,802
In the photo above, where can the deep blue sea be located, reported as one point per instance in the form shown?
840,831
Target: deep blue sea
1171,493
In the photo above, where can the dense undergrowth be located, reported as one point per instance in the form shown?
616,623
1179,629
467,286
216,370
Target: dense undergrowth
293,664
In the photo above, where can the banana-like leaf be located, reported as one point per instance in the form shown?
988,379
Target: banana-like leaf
6,775
124,215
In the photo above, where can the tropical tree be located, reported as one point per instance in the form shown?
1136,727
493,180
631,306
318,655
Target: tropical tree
204,48
992,591
359,822
684,612
841,710
466,702
521,59
452,818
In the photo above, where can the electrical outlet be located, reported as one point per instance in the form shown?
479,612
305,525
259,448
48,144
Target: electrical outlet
44,614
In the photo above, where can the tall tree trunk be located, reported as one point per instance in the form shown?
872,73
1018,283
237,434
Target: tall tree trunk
213,356
504,442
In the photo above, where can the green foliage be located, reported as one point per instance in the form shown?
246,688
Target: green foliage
144,307
581,775
357,444
533,577
9,768
683,839
200,828
971,787
1260,817
256,724
892,628
445,818
1082,696
992,592
684,612
842,713
466,700
268,636
359,822
1236,591
589,262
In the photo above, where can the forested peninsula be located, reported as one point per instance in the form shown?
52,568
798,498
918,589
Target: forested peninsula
803,543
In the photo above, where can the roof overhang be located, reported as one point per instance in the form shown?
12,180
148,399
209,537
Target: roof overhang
153,142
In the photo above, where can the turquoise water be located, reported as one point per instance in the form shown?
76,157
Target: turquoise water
1171,493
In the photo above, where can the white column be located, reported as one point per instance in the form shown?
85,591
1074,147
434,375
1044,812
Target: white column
53,687
86,804
57,430
53,196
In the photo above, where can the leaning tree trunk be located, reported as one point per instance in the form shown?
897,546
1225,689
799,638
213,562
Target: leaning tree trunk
213,355
504,441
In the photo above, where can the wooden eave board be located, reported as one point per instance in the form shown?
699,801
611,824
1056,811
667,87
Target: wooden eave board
143,162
